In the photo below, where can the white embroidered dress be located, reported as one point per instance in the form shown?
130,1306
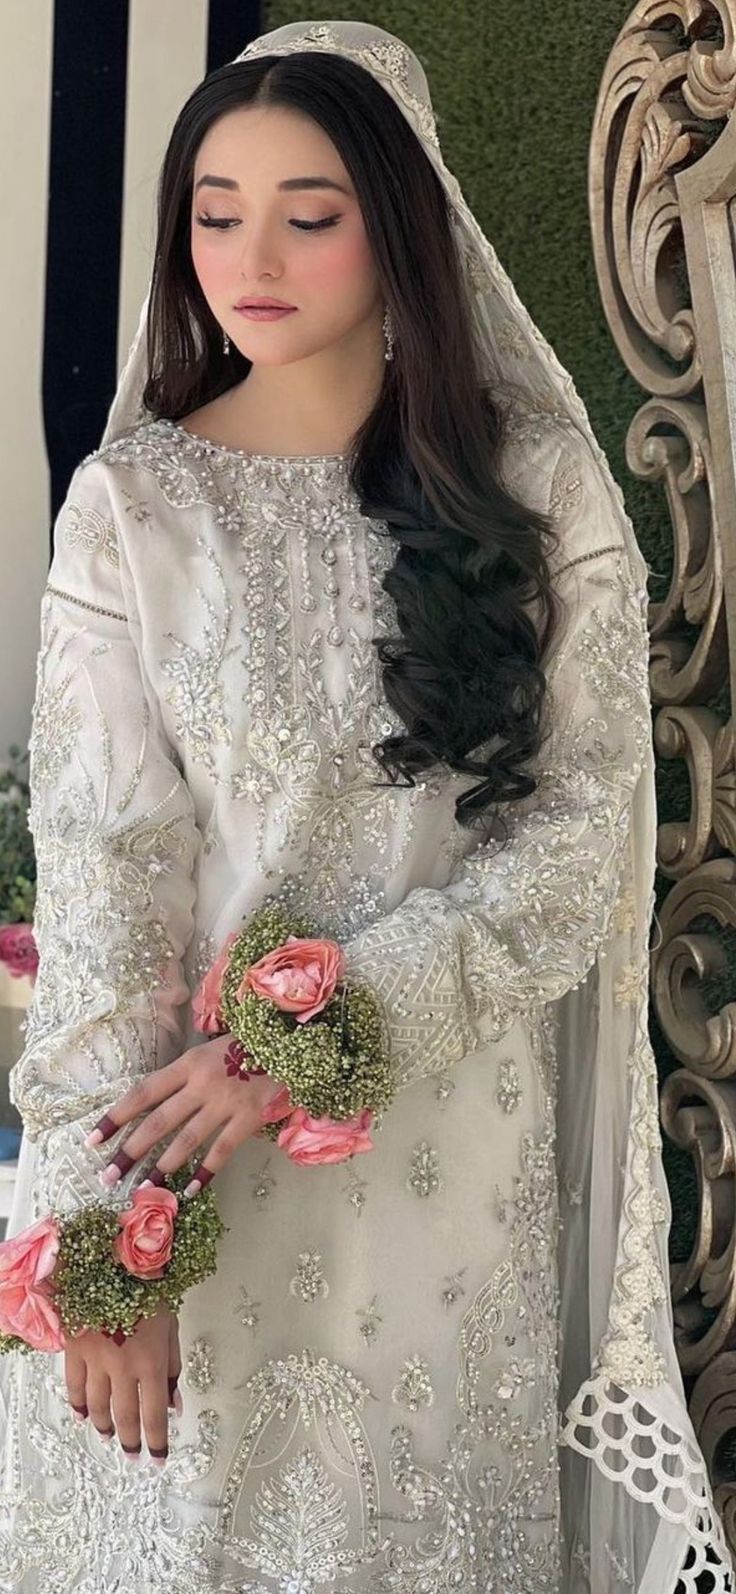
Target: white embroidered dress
370,1381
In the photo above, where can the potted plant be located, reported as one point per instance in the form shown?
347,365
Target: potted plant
18,951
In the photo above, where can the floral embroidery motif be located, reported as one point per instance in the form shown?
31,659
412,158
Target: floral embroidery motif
355,1190
200,1372
453,1288
247,1309
508,1090
197,693
263,1183
444,1090
414,1388
424,1178
370,1319
627,987
309,1281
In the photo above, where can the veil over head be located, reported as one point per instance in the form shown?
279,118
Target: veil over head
637,1506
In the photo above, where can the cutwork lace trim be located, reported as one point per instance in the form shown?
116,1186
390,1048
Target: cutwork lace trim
629,1442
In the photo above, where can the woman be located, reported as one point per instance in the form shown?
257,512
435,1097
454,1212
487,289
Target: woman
377,1379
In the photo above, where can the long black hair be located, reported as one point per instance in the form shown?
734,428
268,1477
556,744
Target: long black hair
466,668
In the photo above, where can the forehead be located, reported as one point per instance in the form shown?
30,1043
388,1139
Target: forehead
267,140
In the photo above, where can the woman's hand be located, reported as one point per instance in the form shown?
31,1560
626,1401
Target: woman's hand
128,1389
197,1096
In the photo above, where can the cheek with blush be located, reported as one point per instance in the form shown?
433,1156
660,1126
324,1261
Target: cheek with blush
215,272
344,277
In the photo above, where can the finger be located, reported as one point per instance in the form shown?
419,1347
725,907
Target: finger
145,1093
98,1399
155,1413
174,1372
219,1153
191,1138
157,1126
126,1413
75,1377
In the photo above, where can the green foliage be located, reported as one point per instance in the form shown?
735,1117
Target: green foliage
17,854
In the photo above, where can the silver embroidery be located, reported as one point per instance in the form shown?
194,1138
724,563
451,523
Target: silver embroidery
453,1288
263,1184
424,1177
508,1090
309,1281
200,1372
355,1190
246,1309
414,1387
370,1319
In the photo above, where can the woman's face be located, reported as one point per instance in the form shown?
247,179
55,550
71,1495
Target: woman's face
264,246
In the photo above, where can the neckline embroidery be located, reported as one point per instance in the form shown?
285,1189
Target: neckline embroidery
197,444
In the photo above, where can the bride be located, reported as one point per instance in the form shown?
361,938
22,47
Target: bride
346,613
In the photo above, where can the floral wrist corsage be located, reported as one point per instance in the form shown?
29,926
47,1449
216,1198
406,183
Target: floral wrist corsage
104,1267
281,993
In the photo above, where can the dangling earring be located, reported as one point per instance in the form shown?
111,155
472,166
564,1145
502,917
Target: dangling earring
225,343
389,336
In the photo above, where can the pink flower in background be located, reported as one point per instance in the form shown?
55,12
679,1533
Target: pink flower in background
18,950
27,1262
300,976
312,1141
206,1000
147,1232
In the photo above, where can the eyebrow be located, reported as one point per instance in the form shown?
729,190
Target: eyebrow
288,184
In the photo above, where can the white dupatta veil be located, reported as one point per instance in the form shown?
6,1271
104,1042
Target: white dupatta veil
636,1501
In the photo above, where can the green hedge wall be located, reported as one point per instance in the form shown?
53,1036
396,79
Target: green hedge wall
514,90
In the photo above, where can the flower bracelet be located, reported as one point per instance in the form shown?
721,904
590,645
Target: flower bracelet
104,1268
282,995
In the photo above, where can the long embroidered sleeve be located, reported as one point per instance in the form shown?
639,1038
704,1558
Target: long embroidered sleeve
519,922
115,842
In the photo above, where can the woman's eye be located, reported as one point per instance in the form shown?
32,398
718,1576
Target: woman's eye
224,223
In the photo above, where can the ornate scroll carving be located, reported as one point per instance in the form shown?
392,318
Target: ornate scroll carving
662,198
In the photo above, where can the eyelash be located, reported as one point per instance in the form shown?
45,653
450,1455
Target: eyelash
223,224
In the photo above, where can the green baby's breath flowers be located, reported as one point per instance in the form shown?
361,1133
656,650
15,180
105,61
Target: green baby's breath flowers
334,1065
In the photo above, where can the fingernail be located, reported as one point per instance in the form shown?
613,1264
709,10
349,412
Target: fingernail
110,1175
178,1404
105,1438
144,1183
193,1188
81,1413
131,1455
94,1138
158,1461
156,1176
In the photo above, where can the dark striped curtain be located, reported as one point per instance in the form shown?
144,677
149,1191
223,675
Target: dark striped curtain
90,124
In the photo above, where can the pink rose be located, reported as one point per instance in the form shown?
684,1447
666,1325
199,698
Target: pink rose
206,1000
299,976
311,1141
27,1310
18,949
147,1232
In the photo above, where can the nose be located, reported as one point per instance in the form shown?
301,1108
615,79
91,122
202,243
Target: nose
258,254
